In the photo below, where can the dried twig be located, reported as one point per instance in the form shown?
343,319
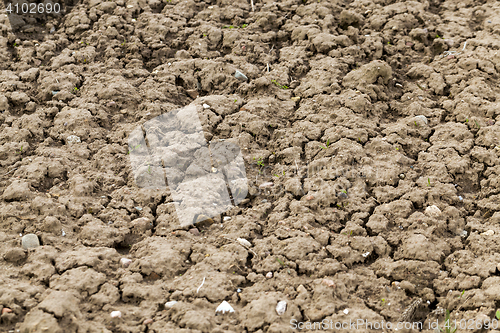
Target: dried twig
408,314
251,1
9,172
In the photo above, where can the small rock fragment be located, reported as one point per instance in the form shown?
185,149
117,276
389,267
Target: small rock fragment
194,231
295,99
125,262
244,242
30,241
342,195
170,304
488,233
240,76
281,308
264,185
192,93
224,307
116,314
73,139
147,321
269,275
433,211
6,310
328,283
422,118
366,254
227,218
346,311
206,106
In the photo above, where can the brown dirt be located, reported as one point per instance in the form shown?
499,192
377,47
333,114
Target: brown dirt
348,230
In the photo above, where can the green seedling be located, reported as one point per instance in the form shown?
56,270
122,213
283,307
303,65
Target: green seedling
477,124
447,324
415,122
327,144
260,162
277,84
497,314
428,182
244,26
229,27
463,292
20,150
124,42
467,120
204,35
75,89
280,262
383,301
149,169
344,191
15,45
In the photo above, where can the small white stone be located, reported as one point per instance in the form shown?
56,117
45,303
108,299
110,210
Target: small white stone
116,314
227,218
125,262
130,6
240,76
170,304
269,275
281,308
433,211
346,311
206,106
264,185
488,233
423,118
366,254
224,307
73,139
244,242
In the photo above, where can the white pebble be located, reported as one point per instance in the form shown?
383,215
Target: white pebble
125,262
269,275
433,210
224,307
206,106
116,314
346,311
460,198
170,304
244,242
488,233
366,254
73,139
281,308
264,185
227,218
240,76
423,118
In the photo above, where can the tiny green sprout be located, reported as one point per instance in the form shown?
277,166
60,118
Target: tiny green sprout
16,45
350,234
497,314
467,120
428,182
283,173
260,162
463,292
397,148
276,175
204,35
388,43
415,122
437,36
280,262
149,169
327,144
244,25
477,124
383,301
344,191
75,89
235,100
447,324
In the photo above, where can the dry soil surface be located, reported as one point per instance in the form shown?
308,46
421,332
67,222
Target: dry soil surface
376,122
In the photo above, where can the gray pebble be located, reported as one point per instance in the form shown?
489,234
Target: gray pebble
30,241
342,195
240,76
